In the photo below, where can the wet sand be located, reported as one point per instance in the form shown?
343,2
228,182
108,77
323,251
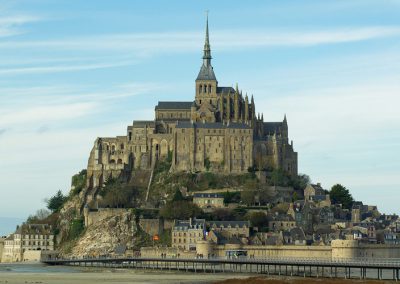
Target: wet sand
114,276
295,280
125,277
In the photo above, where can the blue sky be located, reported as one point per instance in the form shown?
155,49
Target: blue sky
71,71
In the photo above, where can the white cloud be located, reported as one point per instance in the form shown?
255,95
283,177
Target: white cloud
62,68
147,43
10,25
43,114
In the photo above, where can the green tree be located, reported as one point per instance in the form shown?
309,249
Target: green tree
178,196
207,163
180,210
300,182
258,219
279,178
78,182
223,214
341,195
248,196
56,202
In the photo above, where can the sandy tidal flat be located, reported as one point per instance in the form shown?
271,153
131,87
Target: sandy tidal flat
120,277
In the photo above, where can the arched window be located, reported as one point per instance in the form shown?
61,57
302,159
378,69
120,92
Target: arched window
209,88
205,88
122,146
200,88
113,148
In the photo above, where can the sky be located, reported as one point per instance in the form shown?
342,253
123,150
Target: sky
71,71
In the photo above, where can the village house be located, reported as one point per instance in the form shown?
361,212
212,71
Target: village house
186,233
316,194
208,200
281,223
26,239
230,229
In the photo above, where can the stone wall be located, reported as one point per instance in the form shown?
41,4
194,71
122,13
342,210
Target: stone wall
92,217
32,255
1,247
168,251
352,249
321,252
152,226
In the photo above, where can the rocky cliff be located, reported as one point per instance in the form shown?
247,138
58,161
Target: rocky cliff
103,237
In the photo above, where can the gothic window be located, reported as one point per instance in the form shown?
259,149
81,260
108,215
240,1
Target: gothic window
210,102
209,88
200,88
122,146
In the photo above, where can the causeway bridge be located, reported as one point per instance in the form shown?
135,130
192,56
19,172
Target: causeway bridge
360,268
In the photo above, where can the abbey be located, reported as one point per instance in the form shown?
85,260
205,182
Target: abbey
217,131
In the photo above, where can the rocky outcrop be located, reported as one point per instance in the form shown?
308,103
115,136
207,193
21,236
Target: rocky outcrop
103,237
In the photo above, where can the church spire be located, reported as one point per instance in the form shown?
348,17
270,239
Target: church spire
207,49
206,71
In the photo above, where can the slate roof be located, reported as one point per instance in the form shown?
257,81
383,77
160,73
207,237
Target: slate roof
272,127
225,90
185,224
226,224
206,73
297,234
318,188
319,197
174,105
209,125
34,229
208,195
143,123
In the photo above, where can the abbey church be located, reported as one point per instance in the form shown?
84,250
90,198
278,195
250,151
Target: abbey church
218,131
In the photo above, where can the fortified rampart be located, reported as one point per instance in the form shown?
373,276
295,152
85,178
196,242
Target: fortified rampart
338,249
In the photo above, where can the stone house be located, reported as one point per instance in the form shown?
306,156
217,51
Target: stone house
28,237
325,215
230,229
208,200
282,223
316,194
186,233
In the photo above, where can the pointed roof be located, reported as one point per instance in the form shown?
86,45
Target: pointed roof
206,70
207,48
